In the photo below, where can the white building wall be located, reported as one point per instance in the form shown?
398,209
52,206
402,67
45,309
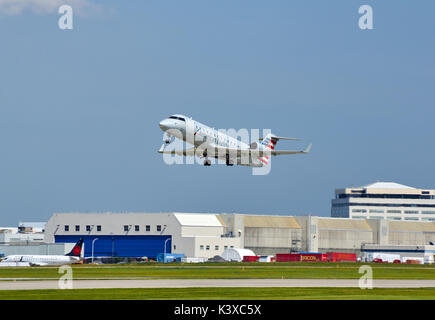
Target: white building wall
191,240
111,223
187,231
216,246
21,237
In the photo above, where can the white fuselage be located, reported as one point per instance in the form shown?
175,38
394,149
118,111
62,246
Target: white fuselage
201,135
41,259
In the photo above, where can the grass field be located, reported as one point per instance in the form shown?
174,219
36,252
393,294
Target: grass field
230,271
312,270
222,293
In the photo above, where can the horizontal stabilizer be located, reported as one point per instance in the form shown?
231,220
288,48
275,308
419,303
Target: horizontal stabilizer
282,138
282,152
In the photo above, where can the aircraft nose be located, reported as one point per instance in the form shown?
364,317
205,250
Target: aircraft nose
164,124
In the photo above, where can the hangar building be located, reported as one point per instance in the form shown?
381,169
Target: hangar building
142,234
207,235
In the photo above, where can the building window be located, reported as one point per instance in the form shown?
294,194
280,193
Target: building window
411,211
98,228
216,247
126,228
147,228
77,228
225,247
411,218
359,210
394,211
175,247
376,211
136,228
232,247
428,212
66,228
159,228
201,247
207,247
88,228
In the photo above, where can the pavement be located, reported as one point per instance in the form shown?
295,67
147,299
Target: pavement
190,283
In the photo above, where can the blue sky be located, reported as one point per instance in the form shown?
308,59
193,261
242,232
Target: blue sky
79,109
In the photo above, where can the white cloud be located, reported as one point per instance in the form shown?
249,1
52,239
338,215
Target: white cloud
17,7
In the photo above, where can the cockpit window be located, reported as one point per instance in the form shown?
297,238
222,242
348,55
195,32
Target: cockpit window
177,118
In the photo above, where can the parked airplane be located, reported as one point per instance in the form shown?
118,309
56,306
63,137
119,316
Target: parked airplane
44,260
209,142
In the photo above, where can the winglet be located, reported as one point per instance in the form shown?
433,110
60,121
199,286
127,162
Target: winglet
308,148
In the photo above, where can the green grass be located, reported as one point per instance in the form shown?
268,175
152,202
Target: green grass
230,271
222,293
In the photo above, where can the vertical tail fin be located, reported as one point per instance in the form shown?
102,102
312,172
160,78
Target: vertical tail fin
268,143
77,249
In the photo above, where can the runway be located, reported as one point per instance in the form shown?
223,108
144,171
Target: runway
198,283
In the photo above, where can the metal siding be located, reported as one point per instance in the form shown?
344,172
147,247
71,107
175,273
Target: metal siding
123,246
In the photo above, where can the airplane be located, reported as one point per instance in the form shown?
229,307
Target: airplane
44,260
208,142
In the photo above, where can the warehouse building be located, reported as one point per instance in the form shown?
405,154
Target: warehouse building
403,253
265,234
197,235
142,234
27,233
384,200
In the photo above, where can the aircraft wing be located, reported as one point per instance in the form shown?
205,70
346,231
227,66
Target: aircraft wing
281,152
38,264
183,152
258,153
212,150
221,152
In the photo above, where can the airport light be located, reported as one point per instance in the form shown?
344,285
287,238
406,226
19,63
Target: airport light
93,241
164,250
